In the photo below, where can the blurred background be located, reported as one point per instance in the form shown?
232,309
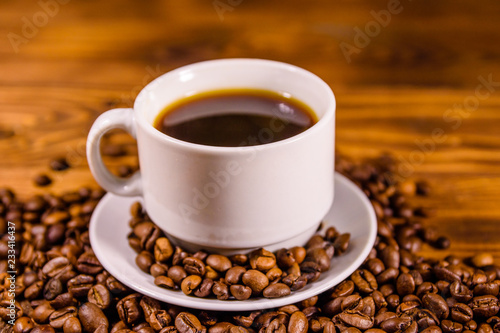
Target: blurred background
416,79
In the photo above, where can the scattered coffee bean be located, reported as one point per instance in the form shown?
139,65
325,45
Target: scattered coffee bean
59,164
42,180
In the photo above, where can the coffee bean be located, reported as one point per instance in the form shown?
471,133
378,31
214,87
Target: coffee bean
177,274
461,313
355,319
298,323
262,260
405,284
23,324
436,304
100,296
165,282
256,280
42,180
52,288
190,283
295,282
128,309
80,285
194,266
460,292
158,269
234,274
240,292
59,164
88,264
144,260
220,290
276,290
484,306
72,325
482,260
91,317
341,243
186,322
285,258
320,257
59,317
364,280
219,262
163,249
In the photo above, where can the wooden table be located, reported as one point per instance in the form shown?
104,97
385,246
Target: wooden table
419,80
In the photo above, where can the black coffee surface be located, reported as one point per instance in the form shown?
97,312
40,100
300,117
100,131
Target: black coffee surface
232,118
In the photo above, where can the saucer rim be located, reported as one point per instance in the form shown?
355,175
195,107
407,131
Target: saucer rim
178,298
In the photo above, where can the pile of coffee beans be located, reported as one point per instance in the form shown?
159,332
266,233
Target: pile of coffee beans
260,273
60,286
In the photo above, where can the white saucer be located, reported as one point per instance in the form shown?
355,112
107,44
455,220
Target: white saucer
351,212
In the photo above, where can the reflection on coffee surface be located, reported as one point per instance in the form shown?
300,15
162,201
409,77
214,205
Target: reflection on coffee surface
235,117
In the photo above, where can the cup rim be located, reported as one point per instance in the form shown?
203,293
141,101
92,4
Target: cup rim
322,121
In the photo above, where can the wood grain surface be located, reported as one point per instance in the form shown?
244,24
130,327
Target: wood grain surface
419,80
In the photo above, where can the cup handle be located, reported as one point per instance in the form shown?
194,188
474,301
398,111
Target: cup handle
117,118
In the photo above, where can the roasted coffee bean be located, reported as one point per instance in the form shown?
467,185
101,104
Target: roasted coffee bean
256,280
285,258
218,262
23,325
390,257
88,264
299,253
310,270
405,284
52,288
220,290
42,180
295,282
298,323
55,266
234,274
364,280
274,274
186,322
375,266
276,290
484,306
128,309
262,260
461,313
91,317
100,296
194,266
205,288
58,317
240,292
158,269
72,325
190,283
341,243
355,319
436,304
80,285
165,282
177,274
144,260
163,249
320,257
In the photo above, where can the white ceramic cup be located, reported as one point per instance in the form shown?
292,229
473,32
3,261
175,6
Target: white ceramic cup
227,199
